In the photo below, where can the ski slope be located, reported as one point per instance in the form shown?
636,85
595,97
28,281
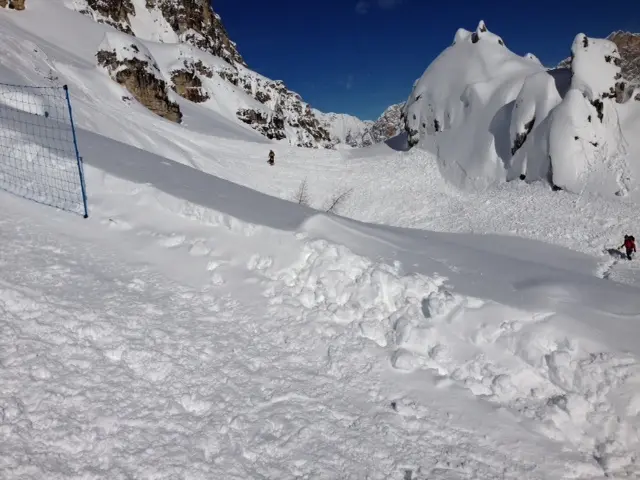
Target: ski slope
200,325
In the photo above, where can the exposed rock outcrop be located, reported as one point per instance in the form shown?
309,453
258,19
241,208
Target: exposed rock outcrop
132,67
271,126
390,124
190,21
195,22
13,4
111,12
187,84
629,48
283,103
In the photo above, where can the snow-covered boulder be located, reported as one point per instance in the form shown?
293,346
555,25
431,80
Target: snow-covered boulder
465,98
585,135
131,64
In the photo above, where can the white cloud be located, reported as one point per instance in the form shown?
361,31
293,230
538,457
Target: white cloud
389,3
349,84
362,7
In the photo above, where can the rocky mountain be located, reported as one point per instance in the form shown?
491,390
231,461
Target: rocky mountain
351,131
346,129
162,51
166,49
389,124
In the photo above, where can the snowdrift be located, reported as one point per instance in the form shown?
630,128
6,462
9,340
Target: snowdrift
491,115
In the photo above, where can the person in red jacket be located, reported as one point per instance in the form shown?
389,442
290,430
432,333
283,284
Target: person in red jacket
629,245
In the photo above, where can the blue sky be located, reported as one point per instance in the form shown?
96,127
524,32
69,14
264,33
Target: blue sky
360,56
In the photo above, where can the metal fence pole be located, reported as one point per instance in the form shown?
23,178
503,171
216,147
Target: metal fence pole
78,158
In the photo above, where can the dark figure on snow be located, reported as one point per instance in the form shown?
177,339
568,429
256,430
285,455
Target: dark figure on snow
629,245
272,158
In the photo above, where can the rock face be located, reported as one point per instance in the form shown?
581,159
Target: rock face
275,100
195,23
390,124
270,126
111,12
629,48
13,4
187,84
132,66
189,21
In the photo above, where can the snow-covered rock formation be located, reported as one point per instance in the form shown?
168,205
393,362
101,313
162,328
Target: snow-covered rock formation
351,131
132,65
629,49
187,50
346,129
492,115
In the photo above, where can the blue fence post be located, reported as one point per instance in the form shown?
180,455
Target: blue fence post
78,158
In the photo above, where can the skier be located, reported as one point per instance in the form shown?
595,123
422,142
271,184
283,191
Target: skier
272,158
629,245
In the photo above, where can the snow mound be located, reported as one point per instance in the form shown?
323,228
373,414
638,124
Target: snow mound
491,115
533,363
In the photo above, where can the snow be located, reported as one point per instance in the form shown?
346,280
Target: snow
149,24
595,65
18,99
127,48
490,116
194,327
347,130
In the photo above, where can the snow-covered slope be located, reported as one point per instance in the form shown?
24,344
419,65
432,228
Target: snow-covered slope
491,115
196,328
187,44
192,327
